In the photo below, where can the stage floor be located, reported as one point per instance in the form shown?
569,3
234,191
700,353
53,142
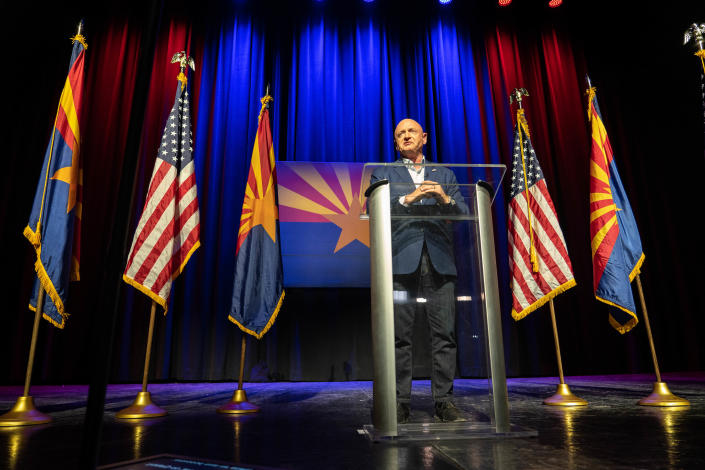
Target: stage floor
316,426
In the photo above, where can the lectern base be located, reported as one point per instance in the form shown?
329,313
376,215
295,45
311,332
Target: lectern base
445,431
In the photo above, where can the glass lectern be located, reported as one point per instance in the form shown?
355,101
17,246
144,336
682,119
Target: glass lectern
454,227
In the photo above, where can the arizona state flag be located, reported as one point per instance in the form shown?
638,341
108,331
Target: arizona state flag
54,224
617,255
259,281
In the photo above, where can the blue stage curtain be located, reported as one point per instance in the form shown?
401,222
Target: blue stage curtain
231,83
341,80
347,84
343,86
340,85
339,88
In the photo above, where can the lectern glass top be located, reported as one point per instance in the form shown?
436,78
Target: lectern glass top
434,191
490,175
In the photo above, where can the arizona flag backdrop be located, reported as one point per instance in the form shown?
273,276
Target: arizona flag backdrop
324,242
54,223
617,255
259,282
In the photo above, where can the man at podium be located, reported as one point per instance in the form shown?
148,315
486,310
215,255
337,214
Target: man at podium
423,265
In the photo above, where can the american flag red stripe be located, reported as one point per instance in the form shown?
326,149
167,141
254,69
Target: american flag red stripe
550,238
179,252
156,208
169,228
533,226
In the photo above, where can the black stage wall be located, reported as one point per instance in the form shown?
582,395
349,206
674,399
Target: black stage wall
649,88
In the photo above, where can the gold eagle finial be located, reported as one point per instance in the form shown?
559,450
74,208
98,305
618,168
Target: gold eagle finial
517,95
184,61
696,33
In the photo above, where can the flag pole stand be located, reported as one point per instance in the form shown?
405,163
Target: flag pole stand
563,395
24,413
661,395
238,404
143,407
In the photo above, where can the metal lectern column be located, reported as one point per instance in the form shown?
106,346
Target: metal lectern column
492,306
384,415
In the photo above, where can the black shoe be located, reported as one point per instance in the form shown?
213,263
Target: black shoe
447,412
403,411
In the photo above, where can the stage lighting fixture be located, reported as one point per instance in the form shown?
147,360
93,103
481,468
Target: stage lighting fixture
503,3
443,2
555,3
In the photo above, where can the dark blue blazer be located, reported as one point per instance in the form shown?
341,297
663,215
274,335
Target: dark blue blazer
409,234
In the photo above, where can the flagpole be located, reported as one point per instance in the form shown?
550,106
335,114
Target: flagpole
696,34
555,340
661,395
24,413
563,395
238,404
143,407
243,345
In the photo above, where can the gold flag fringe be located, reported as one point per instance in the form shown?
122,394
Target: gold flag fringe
155,297
634,320
267,326
539,303
49,288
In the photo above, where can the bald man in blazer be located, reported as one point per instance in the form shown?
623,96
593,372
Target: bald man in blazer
423,264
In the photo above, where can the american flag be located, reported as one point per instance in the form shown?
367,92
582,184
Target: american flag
538,259
168,231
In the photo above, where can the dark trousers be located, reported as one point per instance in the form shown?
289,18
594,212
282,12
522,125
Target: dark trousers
438,291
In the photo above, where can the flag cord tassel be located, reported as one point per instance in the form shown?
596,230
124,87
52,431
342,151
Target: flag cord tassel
701,54
521,122
36,236
265,100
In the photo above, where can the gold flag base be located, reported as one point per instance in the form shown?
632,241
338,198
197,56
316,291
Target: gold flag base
24,414
142,407
564,397
238,404
662,396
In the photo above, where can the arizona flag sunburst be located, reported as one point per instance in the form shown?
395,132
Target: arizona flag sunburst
259,283
617,255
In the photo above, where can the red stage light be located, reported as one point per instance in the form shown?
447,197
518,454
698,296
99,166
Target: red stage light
503,3
555,3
